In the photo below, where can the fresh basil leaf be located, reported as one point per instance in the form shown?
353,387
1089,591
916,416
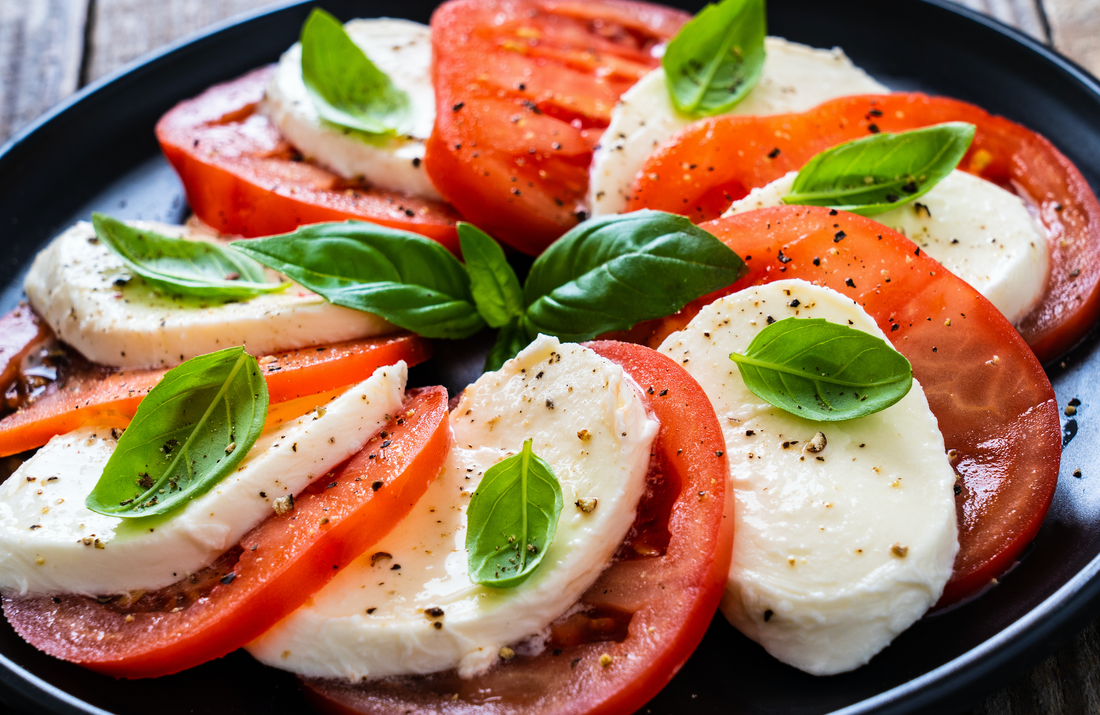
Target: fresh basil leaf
411,281
614,271
823,371
190,432
493,283
179,266
345,86
716,58
511,519
510,340
883,171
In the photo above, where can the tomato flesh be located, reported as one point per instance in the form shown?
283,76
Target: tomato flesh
648,610
90,392
712,162
22,334
242,177
524,90
995,406
277,567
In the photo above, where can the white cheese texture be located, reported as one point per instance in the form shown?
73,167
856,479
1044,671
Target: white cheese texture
51,543
403,50
589,423
72,286
839,551
977,230
795,78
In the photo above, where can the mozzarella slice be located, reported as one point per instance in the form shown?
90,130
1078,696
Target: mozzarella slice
977,230
373,620
403,50
796,78
838,551
51,543
74,285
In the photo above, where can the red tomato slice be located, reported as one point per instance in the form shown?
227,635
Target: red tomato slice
90,392
712,162
524,89
995,406
21,334
649,609
276,568
243,178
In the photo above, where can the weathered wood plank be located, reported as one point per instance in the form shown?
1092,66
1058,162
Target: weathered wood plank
41,45
122,30
1024,15
1075,30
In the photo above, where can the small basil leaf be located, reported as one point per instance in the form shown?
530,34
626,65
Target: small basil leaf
179,266
190,432
510,340
511,519
614,271
493,283
823,371
345,86
883,171
716,58
411,281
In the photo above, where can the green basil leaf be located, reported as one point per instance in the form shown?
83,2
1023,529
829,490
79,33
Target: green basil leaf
510,340
883,171
716,58
823,371
345,86
511,519
179,266
189,433
614,271
493,283
411,281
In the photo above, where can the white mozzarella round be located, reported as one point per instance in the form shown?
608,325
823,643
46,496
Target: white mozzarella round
977,230
796,78
72,286
403,50
839,551
589,423
51,543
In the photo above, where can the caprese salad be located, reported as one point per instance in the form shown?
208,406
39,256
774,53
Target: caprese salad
778,354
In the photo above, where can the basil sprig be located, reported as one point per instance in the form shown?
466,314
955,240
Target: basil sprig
493,283
182,267
511,519
411,281
880,172
190,432
823,371
346,87
716,58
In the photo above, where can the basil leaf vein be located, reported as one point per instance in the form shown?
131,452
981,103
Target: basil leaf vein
823,371
511,519
190,432
880,172
411,281
716,58
180,266
493,284
346,87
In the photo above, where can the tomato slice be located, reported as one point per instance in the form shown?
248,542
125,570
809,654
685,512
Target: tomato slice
90,392
21,334
242,177
712,162
277,566
649,609
995,406
524,90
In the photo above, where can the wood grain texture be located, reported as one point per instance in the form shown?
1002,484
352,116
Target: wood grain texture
1075,30
1024,15
41,46
122,30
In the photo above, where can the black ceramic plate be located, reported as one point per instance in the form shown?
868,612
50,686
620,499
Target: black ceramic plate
97,152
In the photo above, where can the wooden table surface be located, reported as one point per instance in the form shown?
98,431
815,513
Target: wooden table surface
50,48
